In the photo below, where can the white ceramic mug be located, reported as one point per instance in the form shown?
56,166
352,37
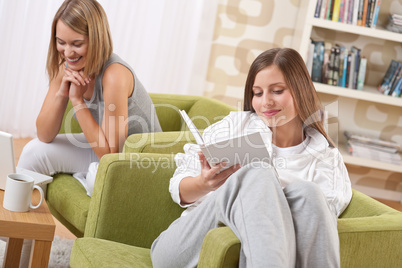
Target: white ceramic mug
18,193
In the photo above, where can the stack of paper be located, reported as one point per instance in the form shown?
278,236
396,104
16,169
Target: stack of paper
373,148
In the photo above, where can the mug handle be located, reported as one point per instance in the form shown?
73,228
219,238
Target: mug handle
41,197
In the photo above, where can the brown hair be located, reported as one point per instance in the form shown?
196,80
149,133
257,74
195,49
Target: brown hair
86,17
297,78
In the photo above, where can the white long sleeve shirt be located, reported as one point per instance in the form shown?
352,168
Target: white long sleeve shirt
312,160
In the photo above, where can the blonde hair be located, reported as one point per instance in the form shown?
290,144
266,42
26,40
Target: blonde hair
297,78
88,18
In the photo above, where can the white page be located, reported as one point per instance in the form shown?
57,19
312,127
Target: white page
192,127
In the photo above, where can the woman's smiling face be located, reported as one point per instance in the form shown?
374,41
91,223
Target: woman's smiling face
272,99
72,46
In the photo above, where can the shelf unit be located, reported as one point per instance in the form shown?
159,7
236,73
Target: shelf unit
305,25
370,94
378,32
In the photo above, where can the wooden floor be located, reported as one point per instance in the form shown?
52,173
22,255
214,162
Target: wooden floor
65,233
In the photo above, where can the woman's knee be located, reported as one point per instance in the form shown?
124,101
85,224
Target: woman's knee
34,156
32,149
249,178
257,173
309,191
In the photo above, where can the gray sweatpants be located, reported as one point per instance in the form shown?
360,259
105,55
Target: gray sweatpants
290,227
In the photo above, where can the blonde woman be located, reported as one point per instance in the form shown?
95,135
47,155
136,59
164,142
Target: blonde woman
109,101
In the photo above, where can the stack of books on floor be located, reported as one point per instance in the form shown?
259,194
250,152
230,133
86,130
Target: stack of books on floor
373,148
356,12
336,65
391,84
395,23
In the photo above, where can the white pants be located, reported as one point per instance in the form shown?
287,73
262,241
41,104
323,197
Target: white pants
67,153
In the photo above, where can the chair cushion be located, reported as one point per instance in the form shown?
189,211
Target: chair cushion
206,112
167,108
92,252
67,197
123,182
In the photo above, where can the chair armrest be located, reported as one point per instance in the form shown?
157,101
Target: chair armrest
364,242
362,205
220,248
373,241
131,202
158,142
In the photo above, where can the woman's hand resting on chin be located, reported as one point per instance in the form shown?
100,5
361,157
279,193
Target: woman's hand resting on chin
77,85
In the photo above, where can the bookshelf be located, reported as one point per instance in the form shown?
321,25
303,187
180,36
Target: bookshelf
370,94
307,27
378,32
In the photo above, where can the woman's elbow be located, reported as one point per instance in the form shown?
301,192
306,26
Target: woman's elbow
45,137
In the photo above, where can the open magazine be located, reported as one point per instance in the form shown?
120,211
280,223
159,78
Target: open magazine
240,150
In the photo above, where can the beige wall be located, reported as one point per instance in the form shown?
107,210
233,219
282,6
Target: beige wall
244,29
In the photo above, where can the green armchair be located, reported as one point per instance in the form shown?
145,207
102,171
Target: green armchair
131,206
67,198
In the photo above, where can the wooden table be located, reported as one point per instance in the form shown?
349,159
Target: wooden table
36,224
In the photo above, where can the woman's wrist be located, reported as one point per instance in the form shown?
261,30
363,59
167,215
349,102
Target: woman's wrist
61,96
200,185
191,189
77,102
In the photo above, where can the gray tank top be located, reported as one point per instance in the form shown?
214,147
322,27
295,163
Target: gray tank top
142,116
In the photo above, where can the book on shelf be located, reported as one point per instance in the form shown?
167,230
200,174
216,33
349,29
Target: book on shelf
398,90
362,73
360,13
330,10
318,9
344,65
238,150
344,11
392,81
348,65
336,66
331,66
318,60
375,15
357,55
397,86
370,13
351,68
335,12
326,63
365,9
356,12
